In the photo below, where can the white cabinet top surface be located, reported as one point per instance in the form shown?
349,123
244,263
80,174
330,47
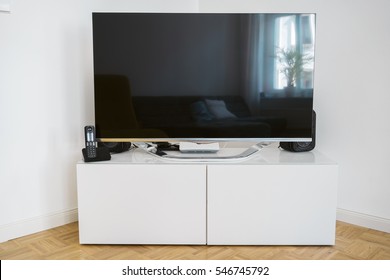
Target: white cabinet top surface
266,156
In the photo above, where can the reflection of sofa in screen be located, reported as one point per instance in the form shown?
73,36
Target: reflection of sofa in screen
204,117
118,114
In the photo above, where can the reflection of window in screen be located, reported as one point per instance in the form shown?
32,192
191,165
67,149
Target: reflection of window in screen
295,32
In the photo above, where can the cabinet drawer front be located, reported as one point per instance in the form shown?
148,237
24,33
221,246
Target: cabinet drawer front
140,204
271,204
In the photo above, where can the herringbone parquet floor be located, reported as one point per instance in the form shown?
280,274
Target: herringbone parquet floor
352,242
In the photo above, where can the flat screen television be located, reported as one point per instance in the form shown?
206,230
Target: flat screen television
203,76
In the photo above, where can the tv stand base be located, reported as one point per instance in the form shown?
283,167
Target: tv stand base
222,155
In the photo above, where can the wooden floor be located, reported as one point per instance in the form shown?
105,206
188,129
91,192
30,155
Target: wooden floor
352,242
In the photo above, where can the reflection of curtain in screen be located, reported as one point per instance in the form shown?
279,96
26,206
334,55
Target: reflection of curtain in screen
306,32
252,66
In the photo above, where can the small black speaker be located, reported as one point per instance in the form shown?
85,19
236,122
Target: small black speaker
115,147
302,146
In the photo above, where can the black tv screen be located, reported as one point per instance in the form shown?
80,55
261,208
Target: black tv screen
175,76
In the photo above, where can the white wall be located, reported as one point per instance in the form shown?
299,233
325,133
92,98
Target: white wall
46,99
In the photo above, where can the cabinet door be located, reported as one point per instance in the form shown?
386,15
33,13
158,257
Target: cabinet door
271,204
142,204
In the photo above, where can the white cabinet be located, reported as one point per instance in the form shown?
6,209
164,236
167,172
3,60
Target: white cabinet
273,198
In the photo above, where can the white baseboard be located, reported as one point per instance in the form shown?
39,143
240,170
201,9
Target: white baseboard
36,224
363,220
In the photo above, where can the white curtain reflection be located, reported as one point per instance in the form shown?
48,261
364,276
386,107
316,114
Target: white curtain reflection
252,42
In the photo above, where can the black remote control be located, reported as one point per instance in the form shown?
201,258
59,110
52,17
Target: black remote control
90,141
